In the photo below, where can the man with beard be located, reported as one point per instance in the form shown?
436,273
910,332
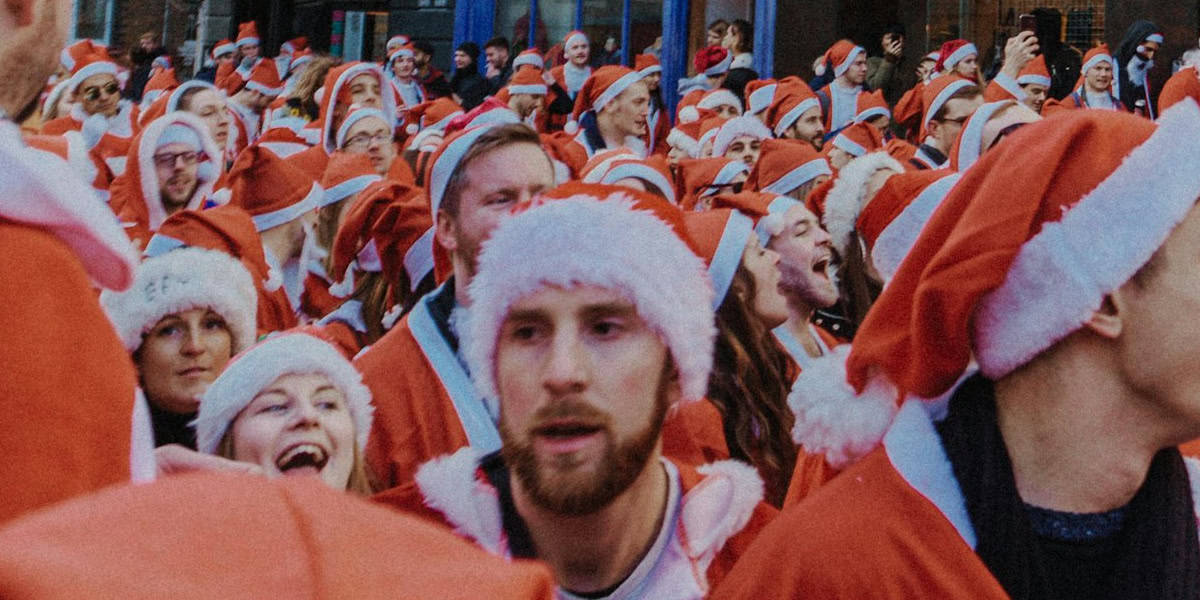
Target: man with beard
805,250
796,115
581,347
425,405
58,244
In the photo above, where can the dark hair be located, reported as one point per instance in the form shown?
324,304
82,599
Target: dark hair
855,288
895,29
965,93
720,25
745,35
749,386
497,42
423,46
494,139
470,48
736,80
185,97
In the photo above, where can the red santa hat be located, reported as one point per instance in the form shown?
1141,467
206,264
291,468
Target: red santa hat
526,81
223,47
402,51
446,160
247,34
839,57
891,222
388,230
602,87
1035,72
1008,284
858,139
396,41
952,53
252,370
785,165
599,163
706,176
181,280
1094,57
294,45
273,191
225,228
713,60
759,95
871,106
75,52
347,174
936,93
848,196
785,110
299,58
96,63
264,78
686,111
432,115
161,83
611,166
765,209
568,243
744,126
687,135
647,64
357,114
574,36
721,235
528,58
719,97
709,128
337,85
969,145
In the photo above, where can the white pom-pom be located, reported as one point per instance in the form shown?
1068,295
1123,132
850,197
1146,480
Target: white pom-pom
831,418
689,114
411,129
572,127
274,280
819,70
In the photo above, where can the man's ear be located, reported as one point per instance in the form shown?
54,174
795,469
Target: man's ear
1106,320
444,232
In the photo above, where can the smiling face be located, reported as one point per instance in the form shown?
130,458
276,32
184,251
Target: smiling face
176,166
299,425
99,95
584,387
181,356
1099,78
805,251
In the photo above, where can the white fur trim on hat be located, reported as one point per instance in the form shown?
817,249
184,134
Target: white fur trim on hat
1095,60
847,197
720,97
614,89
538,89
725,176
645,173
311,201
897,239
102,67
389,100
263,89
850,146
871,113
799,176
958,55
206,171
347,188
418,260
1032,79
840,69
575,36
1155,37
970,141
55,95
531,60
1061,275
597,171
760,99
356,116
743,126
247,41
447,162
772,224
178,93
1010,85
178,133
797,111
722,67
256,368
568,243
728,256
943,97
223,49
650,70
678,138
181,280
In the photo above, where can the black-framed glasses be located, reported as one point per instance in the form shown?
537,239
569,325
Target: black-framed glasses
93,94
364,139
167,160
959,120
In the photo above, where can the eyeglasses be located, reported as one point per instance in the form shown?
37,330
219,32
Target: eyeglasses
168,160
364,140
92,94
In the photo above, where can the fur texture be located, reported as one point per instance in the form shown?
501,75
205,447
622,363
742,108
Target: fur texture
719,507
897,239
449,485
847,198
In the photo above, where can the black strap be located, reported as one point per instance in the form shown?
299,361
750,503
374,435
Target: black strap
520,542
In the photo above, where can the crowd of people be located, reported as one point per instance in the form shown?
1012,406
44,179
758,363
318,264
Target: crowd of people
304,327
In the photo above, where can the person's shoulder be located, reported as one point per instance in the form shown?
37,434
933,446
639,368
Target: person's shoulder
42,253
396,347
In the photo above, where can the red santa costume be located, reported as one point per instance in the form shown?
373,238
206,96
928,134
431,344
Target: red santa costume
658,122
1185,83
712,511
934,96
839,105
136,195
1004,87
786,109
408,94
217,535
337,94
247,121
601,88
1009,285
67,244
1082,97
108,137
568,79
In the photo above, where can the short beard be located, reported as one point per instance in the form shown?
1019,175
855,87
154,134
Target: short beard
794,283
570,493
171,204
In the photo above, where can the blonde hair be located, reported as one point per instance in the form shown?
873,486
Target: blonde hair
360,482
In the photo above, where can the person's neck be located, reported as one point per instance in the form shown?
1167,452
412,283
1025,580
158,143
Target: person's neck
1080,439
598,551
242,100
1095,92
799,317
845,83
280,242
613,138
405,79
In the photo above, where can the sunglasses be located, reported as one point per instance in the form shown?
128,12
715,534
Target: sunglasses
93,94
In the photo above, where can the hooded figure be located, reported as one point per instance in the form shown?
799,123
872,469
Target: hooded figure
1132,67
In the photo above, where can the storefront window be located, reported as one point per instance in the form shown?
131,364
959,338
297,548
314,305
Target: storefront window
92,19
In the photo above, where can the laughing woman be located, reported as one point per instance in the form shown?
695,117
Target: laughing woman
187,312
294,406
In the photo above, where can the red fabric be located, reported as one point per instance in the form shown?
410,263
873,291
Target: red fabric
215,535
1183,84
907,112
694,434
867,534
896,194
59,350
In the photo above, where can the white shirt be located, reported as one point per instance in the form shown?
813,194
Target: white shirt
844,104
1102,100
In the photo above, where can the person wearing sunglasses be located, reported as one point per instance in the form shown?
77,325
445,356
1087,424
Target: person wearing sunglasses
106,121
173,164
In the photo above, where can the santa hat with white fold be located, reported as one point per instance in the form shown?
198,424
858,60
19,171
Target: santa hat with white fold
759,95
252,370
346,175
337,92
713,61
96,63
686,135
247,34
529,58
720,97
937,93
602,87
738,127
269,188
785,165
647,64
526,81
890,223
430,116
223,47
396,41
969,145
264,78
849,196
389,230
174,128
1011,270
954,52
616,165
181,280
76,51
721,235
839,57
567,242
871,106
707,176
858,139
786,109
357,114
1095,56
1035,72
